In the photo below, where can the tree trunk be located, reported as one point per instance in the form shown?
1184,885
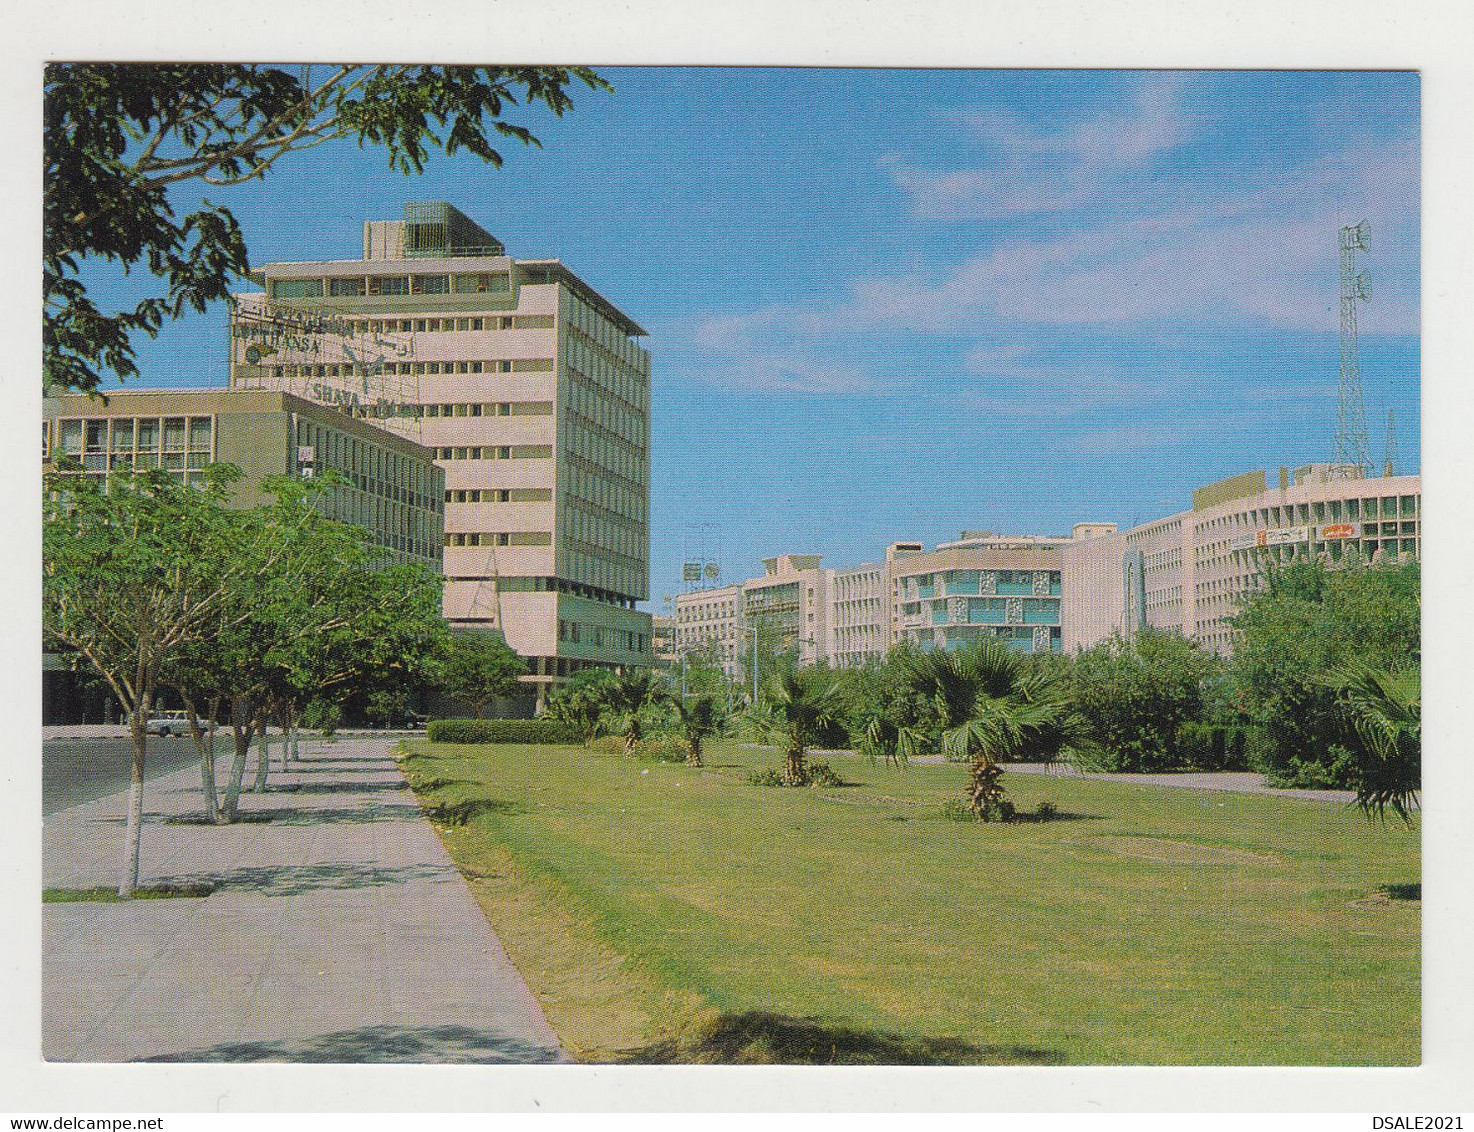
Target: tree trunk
693,748
985,793
241,728
263,755
132,833
207,761
794,771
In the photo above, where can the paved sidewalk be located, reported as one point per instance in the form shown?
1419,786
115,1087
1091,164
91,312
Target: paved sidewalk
339,930
1233,781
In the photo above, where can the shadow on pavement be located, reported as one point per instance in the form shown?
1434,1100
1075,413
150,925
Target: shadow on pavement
756,1038
293,880
454,1044
362,815
396,786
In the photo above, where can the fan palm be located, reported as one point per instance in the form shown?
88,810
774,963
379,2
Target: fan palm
625,701
696,719
1385,712
994,707
799,706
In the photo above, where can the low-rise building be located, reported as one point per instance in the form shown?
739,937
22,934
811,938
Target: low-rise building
1188,572
393,487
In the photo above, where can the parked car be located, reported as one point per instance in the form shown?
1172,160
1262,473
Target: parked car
173,723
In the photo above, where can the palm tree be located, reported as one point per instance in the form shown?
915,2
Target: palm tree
1384,710
626,700
696,720
993,707
800,705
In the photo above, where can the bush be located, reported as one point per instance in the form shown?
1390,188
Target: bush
955,809
319,715
768,777
822,774
664,747
501,731
1213,746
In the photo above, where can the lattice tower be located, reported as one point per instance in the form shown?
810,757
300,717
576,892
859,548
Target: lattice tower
1353,449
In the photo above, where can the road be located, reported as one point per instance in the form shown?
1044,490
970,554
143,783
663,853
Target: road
83,770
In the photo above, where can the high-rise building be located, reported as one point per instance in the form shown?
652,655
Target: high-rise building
534,395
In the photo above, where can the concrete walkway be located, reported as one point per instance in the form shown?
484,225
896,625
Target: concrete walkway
1234,781
338,930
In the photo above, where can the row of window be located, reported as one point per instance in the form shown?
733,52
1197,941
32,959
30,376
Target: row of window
495,452
369,467
499,538
415,369
500,495
471,283
599,636
482,409
97,435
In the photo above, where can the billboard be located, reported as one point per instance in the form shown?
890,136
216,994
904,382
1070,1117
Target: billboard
1277,536
691,571
1333,531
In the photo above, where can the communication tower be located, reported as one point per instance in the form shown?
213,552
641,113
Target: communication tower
1353,456
1389,464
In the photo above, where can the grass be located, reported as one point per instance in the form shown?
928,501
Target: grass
110,895
665,913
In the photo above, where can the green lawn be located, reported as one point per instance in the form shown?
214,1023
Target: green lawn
666,913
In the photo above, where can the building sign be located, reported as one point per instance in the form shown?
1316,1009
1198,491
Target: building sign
691,572
1333,531
1277,536
306,454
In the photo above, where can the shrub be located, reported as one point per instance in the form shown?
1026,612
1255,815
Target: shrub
769,777
501,731
822,774
1213,746
1046,811
664,747
320,715
955,809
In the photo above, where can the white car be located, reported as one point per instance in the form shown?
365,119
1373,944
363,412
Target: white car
173,723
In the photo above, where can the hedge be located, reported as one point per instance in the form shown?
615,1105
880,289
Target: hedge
501,731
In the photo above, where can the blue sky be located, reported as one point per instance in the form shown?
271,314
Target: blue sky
892,304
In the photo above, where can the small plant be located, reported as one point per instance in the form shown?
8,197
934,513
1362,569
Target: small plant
1046,811
769,777
665,748
822,774
955,809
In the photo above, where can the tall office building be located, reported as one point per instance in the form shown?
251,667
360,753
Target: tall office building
531,390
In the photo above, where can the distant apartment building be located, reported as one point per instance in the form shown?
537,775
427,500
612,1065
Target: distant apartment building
1187,572
1004,587
532,392
788,606
708,624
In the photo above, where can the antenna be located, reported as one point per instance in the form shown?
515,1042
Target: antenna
1353,456
1389,465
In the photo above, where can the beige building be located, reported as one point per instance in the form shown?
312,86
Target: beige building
393,489
531,390
708,623
1188,571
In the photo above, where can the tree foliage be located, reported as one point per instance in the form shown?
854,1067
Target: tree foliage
994,707
799,706
121,138
481,667
1307,622
1136,694
1383,711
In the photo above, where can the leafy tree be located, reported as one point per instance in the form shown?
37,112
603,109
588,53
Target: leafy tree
1383,710
994,707
481,667
696,719
800,705
1136,693
120,137
133,573
1308,621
